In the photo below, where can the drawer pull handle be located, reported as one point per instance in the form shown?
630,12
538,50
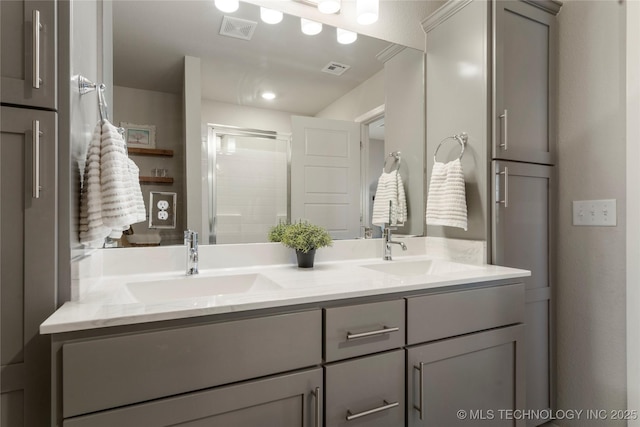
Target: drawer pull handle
505,202
35,159
384,407
505,118
420,408
316,395
36,27
382,331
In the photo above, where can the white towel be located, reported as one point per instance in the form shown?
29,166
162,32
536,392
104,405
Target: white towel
446,200
390,204
111,198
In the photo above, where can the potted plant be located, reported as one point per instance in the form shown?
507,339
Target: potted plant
302,236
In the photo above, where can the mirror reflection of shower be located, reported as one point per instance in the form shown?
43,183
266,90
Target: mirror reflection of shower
248,173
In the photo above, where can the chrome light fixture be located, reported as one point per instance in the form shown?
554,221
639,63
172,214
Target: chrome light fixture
346,37
270,16
309,27
329,6
227,6
367,11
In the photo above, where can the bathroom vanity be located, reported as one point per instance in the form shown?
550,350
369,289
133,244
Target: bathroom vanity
361,342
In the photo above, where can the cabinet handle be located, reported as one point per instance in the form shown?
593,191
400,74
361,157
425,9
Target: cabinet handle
36,48
316,395
382,331
505,172
420,408
384,407
505,124
35,159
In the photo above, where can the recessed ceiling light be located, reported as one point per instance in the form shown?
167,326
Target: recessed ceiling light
268,96
227,6
270,16
309,27
346,37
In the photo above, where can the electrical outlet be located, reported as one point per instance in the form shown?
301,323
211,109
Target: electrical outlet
595,213
162,207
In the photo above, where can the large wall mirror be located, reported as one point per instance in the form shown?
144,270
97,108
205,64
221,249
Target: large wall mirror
370,85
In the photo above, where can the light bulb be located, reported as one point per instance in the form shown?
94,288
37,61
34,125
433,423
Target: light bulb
346,37
329,6
270,16
227,6
310,28
268,95
367,11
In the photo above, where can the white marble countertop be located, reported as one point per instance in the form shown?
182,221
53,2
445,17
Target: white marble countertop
111,303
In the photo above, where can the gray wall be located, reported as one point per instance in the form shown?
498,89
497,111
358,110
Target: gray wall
404,129
164,110
457,102
591,260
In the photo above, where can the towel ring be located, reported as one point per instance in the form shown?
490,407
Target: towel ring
461,138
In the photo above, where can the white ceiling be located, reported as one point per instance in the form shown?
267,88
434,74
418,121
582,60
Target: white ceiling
151,39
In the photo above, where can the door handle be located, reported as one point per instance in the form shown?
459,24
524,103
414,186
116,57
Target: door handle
420,408
386,406
505,172
36,47
35,159
382,331
505,123
316,394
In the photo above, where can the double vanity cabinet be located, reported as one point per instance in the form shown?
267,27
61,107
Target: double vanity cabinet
409,358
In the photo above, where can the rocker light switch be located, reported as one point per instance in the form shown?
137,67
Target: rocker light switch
162,206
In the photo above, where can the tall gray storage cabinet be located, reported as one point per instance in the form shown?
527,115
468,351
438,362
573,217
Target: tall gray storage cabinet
28,208
491,73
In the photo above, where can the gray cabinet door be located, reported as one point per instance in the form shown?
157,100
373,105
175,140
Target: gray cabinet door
467,381
524,60
24,46
523,238
291,400
28,265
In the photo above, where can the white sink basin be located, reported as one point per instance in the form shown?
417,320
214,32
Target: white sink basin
420,268
197,286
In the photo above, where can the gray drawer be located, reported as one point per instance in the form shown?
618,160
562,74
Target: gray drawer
362,329
433,317
121,370
370,389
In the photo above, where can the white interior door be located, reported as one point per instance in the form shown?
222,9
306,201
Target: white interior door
325,174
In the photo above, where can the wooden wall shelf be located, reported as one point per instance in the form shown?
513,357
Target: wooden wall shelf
150,152
155,180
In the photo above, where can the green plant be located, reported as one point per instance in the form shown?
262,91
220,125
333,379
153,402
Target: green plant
276,232
304,236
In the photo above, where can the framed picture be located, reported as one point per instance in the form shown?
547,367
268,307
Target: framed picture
140,136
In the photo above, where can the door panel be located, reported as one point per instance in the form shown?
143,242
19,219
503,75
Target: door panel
325,174
28,265
18,55
481,372
523,83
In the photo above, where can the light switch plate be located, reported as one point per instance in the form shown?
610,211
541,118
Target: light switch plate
162,209
595,213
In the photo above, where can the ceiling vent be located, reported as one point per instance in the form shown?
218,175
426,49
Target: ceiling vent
335,68
237,28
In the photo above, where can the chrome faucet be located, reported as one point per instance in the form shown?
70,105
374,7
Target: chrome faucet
191,242
387,242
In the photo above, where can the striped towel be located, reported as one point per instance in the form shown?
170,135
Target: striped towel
111,198
390,204
446,201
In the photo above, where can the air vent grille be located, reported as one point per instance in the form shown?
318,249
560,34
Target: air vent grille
335,68
237,28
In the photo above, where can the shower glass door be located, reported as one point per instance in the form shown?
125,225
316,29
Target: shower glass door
248,183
